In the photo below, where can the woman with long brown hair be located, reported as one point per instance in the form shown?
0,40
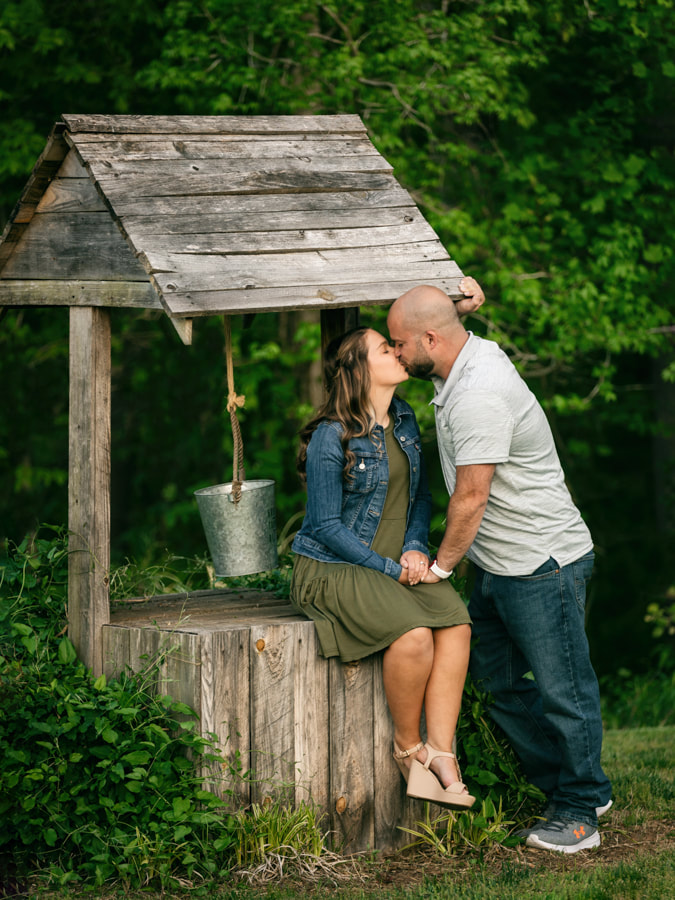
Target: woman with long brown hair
362,558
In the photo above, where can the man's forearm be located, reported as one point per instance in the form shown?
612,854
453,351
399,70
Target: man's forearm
465,513
463,521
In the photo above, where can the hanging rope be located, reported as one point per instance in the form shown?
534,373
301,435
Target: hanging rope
234,401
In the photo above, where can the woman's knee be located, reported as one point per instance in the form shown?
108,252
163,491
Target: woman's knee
416,642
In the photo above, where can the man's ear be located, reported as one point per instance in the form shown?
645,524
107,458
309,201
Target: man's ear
430,340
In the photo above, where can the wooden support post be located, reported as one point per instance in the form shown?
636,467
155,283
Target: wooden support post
89,482
335,321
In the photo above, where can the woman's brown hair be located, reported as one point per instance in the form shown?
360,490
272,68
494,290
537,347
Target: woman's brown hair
347,382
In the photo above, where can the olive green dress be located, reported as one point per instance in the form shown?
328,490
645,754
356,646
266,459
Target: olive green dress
358,610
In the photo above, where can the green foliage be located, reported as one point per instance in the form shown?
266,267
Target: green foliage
99,779
456,832
273,840
640,699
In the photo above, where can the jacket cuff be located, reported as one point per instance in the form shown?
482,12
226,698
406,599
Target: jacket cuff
392,568
415,545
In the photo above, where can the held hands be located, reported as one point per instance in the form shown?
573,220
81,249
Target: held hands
415,568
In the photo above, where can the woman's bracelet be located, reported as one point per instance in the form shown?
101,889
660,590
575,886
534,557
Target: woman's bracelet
438,572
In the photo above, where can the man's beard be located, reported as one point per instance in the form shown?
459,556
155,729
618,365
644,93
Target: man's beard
420,367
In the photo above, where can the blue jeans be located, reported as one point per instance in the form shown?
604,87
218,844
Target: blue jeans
534,625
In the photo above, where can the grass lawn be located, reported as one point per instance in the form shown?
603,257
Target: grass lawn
635,860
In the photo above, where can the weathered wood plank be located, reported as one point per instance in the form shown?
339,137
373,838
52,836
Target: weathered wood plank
312,718
72,166
135,294
223,204
181,675
252,242
261,182
446,276
223,148
351,758
201,622
272,673
89,482
226,607
85,140
138,227
128,124
114,650
195,170
195,271
73,246
226,707
71,195
145,649
43,172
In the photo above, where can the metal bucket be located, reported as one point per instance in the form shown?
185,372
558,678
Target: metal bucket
242,537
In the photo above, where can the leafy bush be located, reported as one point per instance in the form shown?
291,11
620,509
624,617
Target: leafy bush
98,779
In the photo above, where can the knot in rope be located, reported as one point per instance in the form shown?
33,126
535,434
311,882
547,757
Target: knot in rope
234,401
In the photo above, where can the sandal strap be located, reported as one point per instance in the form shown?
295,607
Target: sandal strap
432,753
404,754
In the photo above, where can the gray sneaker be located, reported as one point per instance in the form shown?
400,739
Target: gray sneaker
548,814
564,836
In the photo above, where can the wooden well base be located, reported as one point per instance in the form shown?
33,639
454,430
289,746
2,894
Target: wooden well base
306,727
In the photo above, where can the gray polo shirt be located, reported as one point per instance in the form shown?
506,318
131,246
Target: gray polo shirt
485,413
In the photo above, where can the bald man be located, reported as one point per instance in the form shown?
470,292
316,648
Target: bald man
510,512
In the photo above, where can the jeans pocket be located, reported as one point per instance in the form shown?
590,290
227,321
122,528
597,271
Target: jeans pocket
547,570
582,569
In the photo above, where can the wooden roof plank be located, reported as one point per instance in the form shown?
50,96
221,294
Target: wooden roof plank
241,223
251,242
196,169
217,204
222,147
91,138
307,264
286,180
310,280
127,124
366,293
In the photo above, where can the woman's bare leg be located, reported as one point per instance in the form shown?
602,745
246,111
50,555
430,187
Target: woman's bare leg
406,668
443,696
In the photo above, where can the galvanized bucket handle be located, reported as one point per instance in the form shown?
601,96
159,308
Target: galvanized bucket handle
234,401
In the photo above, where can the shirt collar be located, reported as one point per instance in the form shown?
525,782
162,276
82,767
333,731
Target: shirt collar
443,387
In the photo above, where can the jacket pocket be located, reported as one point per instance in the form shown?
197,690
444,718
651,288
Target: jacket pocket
364,474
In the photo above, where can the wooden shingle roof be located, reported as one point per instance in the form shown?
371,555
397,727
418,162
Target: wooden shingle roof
214,215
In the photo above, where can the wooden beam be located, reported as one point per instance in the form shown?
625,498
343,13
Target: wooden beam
37,292
184,329
335,322
89,483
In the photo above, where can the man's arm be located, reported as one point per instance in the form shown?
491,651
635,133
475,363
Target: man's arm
465,513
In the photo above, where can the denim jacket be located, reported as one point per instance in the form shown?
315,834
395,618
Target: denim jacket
342,515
